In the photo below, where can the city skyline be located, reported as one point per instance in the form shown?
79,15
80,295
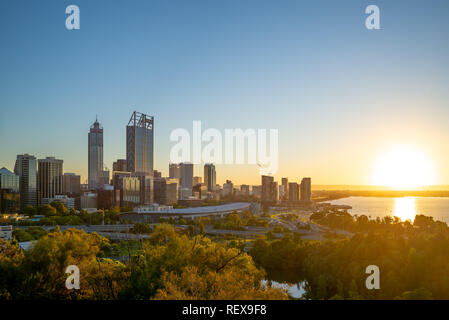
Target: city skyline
338,102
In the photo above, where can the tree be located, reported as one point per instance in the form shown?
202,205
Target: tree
30,210
141,228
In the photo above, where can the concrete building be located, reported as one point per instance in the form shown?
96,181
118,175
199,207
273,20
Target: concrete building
210,177
157,174
89,201
68,202
6,233
197,180
166,191
244,189
95,155
186,180
50,172
174,171
269,189
71,183
26,168
284,194
228,188
119,165
306,189
256,191
293,191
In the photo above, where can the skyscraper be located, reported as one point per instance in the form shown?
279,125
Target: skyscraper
9,192
49,178
186,180
269,192
139,143
293,191
25,168
95,154
210,177
186,175
174,170
306,189
285,193
71,183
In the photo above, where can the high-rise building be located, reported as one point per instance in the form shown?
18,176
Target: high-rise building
139,143
49,178
197,180
165,191
95,154
293,191
244,189
269,189
186,180
256,191
26,169
228,188
146,183
71,183
119,165
157,174
306,189
210,177
9,192
284,185
174,171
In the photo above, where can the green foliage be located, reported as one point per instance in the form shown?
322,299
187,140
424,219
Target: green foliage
413,260
141,228
167,266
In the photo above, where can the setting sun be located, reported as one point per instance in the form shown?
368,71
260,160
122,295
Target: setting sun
404,168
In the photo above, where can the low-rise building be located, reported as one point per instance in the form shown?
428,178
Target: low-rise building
6,233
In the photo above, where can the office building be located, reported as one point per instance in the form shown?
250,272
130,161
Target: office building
210,177
9,192
166,191
68,202
119,165
71,183
306,189
157,174
6,233
244,190
26,168
174,171
197,180
269,189
95,155
283,194
186,180
89,201
228,188
293,191
49,178
139,143
256,191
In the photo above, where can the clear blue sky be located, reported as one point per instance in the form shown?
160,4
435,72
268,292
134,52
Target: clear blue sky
338,93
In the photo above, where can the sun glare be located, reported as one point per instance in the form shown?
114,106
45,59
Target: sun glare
404,168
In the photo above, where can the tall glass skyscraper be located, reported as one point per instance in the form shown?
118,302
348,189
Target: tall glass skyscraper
95,154
139,143
26,169
139,153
